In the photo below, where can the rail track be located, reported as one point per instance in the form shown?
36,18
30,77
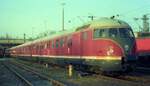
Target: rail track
31,72
136,77
8,78
130,79
123,80
140,80
28,83
144,69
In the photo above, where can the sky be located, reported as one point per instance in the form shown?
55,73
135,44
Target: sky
35,16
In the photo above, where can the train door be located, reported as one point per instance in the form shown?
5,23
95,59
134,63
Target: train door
86,44
76,45
69,45
81,45
57,47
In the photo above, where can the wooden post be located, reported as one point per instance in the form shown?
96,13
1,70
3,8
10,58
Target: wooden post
46,65
70,70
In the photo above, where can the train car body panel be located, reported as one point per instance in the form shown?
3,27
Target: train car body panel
143,41
143,46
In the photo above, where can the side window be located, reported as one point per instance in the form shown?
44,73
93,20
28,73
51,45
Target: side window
53,44
45,45
57,43
61,42
42,45
39,47
69,41
48,44
84,35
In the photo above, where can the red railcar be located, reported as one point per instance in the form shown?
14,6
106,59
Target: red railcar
108,44
143,46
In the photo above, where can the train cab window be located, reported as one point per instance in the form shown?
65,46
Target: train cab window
100,33
84,35
57,43
125,32
113,32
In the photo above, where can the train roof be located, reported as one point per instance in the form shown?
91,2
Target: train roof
60,33
104,23
100,24
108,22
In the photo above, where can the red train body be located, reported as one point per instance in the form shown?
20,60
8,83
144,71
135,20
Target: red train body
106,43
143,46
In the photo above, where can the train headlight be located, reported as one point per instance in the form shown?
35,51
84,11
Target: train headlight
110,51
14,51
126,47
108,58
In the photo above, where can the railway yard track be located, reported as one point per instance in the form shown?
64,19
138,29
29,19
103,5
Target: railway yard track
34,71
130,79
30,77
136,78
140,77
23,79
124,80
8,78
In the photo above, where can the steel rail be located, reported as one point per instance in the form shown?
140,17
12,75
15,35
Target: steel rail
143,68
113,78
18,75
135,79
28,68
132,80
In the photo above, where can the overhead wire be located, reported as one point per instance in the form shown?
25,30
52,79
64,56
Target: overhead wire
134,10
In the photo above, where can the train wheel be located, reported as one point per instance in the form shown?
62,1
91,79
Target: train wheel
132,67
128,68
124,67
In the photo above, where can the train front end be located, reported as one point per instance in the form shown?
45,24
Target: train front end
114,45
